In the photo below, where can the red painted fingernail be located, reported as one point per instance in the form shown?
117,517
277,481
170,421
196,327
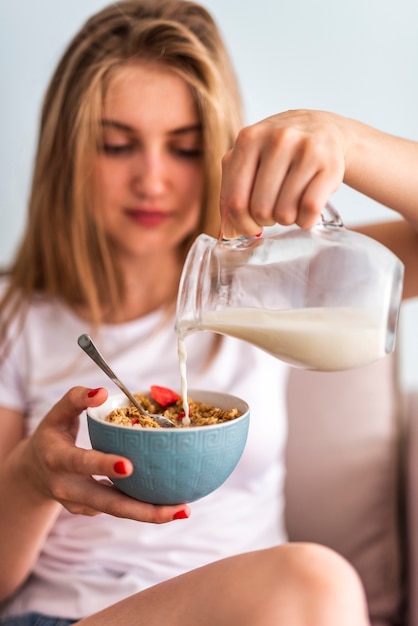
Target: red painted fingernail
120,467
259,234
181,514
93,392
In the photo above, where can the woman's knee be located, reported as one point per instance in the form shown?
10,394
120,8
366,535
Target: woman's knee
315,562
322,580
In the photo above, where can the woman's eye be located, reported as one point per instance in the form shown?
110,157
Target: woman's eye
188,153
115,149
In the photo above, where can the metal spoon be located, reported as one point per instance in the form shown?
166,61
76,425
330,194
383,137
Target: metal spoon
85,342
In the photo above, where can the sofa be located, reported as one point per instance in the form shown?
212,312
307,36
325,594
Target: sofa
352,478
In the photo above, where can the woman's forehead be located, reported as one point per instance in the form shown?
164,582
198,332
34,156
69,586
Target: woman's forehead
147,87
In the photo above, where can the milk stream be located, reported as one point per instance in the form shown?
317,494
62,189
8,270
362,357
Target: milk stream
182,354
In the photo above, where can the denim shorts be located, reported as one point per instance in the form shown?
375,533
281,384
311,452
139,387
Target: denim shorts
36,619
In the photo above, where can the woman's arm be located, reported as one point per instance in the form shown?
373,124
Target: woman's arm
26,516
383,167
401,237
42,473
284,168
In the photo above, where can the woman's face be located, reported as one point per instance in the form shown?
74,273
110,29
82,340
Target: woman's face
149,170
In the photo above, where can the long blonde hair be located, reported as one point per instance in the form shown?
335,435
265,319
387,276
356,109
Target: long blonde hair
64,253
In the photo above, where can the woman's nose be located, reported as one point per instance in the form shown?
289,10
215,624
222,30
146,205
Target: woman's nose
149,173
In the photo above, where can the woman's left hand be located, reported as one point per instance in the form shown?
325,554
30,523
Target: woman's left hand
282,169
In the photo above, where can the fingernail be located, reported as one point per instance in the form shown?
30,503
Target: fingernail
259,234
120,467
181,514
93,392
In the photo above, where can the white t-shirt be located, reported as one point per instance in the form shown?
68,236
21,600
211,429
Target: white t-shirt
88,563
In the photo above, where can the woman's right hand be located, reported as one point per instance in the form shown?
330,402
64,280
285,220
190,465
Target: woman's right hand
59,470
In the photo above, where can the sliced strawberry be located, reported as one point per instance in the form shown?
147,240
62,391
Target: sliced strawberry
163,395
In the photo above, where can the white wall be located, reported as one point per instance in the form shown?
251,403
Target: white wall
357,57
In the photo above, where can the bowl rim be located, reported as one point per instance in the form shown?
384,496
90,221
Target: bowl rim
90,412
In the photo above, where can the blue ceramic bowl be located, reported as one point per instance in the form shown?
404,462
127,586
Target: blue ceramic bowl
174,465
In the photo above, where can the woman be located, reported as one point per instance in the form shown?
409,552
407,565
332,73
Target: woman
137,117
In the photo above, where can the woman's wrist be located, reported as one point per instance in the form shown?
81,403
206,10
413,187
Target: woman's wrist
20,467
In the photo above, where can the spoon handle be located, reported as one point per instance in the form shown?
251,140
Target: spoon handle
86,343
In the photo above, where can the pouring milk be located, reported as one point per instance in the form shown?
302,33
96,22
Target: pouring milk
324,299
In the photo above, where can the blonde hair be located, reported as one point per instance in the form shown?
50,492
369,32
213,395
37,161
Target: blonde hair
64,253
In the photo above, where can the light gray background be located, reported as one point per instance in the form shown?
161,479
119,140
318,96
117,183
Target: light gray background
358,58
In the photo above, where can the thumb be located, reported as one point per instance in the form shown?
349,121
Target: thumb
66,411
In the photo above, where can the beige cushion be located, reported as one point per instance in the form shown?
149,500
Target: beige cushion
342,464
411,452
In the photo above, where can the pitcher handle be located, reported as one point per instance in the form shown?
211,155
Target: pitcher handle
330,217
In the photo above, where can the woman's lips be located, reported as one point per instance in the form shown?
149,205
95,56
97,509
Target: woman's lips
148,218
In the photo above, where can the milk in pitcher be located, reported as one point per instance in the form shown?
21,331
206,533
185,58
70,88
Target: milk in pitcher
317,338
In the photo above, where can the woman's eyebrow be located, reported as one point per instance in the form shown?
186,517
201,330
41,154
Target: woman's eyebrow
192,128
118,125
195,128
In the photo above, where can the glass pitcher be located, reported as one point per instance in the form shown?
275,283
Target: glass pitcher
323,299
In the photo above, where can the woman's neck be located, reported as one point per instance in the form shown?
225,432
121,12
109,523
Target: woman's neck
150,284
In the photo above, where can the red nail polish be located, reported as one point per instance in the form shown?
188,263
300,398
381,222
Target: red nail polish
259,234
93,392
181,514
120,467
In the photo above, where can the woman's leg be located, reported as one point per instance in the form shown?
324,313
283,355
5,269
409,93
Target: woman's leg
290,585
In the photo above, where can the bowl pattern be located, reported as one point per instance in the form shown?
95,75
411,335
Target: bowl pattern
173,466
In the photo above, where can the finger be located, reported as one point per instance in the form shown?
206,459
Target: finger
271,175
281,147
314,199
288,207
51,447
65,457
75,488
287,161
75,401
313,176
90,497
239,168
64,416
